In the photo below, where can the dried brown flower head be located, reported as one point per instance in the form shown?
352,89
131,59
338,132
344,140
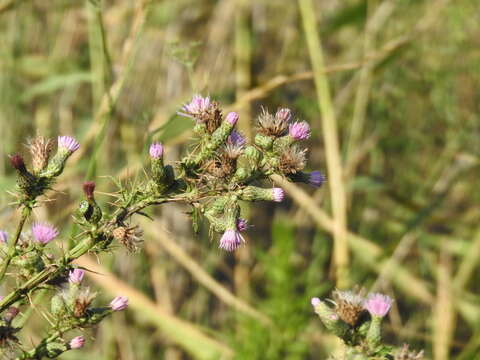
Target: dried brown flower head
272,125
40,149
130,237
349,306
82,302
292,160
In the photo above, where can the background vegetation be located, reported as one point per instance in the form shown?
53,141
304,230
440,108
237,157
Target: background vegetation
390,89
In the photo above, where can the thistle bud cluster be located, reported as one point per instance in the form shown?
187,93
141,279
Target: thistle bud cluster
356,319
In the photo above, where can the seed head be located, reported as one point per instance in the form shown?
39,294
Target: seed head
405,354
349,306
43,233
68,143
82,302
292,160
270,125
130,237
378,304
77,342
40,149
119,303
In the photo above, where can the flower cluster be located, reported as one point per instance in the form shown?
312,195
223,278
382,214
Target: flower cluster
356,319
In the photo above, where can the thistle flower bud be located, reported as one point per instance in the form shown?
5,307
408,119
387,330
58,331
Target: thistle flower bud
315,301
254,193
18,163
54,349
119,303
232,118
76,276
88,189
156,150
43,233
67,145
77,342
299,130
3,237
329,318
242,224
253,154
264,141
378,305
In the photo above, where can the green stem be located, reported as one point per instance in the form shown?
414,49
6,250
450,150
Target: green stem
13,242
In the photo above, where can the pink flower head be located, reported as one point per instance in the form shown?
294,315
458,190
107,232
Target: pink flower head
232,118
77,342
316,178
315,301
119,303
278,194
44,233
156,150
299,130
242,224
283,114
76,276
3,237
68,143
236,139
197,107
231,240
378,304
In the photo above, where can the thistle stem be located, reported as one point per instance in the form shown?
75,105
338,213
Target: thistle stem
26,211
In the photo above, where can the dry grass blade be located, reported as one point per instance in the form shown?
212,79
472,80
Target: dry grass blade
188,336
330,137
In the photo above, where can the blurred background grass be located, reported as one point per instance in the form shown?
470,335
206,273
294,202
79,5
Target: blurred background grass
390,89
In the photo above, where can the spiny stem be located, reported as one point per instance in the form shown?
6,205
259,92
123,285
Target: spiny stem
26,211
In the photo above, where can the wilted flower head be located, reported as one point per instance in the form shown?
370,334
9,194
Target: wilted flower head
283,114
3,237
119,303
43,233
77,342
405,354
299,130
156,150
273,125
68,143
378,304
130,237
231,240
82,302
348,305
316,178
76,276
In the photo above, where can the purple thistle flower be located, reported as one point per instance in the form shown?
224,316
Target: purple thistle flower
299,130
195,108
119,303
232,118
242,224
44,233
278,194
76,276
315,301
156,150
235,138
77,342
284,114
378,304
3,237
231,240
316,178
68,143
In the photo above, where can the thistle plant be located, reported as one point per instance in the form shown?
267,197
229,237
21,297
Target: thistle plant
356,319
220,170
